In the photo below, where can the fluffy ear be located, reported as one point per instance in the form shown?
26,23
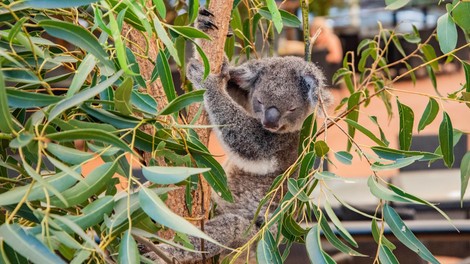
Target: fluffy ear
313,86
245,75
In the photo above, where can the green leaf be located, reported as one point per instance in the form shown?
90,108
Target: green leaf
406,126
464,175
309,128
399,163
122,96
353,103
308,161
115,25
267,251
330,235
27,245
193,7
190,32
90,134
79,36
215,177
182,101
144,102
163,36
292,227
404,234
170,175
460,15
82,96
60,181
446,140
418,200
382,134
446,33
395,4
94,182
365,131
86,67
37,177
275,14
321,148
326,175
377,236
128,252
429,55
205,60
312,243
111,118
394,154
161,9
288,19
22,99
21,140
382,192
69,155
339,226
165,76
294,189
386,256
6,125
344,157
50,4
158,211
430,113
466,68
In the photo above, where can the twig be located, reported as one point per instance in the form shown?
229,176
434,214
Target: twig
154,248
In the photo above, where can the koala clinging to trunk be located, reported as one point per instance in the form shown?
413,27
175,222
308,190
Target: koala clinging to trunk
258,109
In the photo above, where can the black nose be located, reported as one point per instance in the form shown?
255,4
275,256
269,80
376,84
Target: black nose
271,117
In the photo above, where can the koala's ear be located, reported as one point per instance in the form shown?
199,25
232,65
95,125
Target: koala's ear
245,75
312,85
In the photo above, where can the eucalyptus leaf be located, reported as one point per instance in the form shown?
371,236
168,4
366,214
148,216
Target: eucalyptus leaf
78,36
446,33
267,251
27,245
57,3
94,182
128,252
158,211
406,125
430,113
170,175
464,175
404,234
82,96
446,140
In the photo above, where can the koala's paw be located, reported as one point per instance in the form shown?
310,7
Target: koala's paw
195,73
204,21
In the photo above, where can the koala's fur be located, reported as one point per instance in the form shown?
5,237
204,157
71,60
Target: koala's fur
236,100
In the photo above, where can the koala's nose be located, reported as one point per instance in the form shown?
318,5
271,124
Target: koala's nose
271,117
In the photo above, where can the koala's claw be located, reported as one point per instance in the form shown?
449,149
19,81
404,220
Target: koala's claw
205,12
204,20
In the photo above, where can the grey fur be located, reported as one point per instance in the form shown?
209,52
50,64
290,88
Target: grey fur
256,154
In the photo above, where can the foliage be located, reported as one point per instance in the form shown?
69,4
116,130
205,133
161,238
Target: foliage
71,92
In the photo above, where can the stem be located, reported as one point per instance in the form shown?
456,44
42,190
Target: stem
306,31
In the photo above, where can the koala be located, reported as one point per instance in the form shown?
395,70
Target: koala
258,109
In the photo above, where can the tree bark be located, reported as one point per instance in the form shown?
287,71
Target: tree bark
214,50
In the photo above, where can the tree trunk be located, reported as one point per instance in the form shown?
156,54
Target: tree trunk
214,50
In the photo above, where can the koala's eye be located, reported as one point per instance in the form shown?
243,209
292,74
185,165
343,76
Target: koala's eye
259,102
292,109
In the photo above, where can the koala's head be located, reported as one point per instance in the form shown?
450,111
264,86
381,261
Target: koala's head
282,91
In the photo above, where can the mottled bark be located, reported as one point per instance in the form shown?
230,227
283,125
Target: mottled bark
215,52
